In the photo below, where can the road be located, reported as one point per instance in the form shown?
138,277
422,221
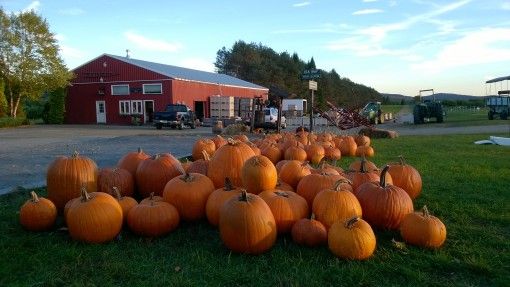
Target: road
26,152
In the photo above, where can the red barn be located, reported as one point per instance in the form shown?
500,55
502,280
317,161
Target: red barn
112,89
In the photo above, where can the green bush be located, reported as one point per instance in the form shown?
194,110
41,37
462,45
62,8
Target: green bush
8,122
54,107
3,100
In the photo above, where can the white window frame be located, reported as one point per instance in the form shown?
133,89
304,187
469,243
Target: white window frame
159,84
119,94
124,107
137,107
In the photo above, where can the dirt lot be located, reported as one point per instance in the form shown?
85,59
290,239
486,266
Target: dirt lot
25,152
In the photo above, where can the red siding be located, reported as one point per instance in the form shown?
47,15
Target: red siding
93,83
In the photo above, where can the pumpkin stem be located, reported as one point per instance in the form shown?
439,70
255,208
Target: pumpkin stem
228,184
383,175
139,150
117,193
350,223
75,154
206,155
282,193
339,182
402,161
231,141
425,211
312,216
243,196
84,194
156,156
362,168
35,198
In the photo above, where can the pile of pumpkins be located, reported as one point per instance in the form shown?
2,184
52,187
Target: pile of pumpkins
252,191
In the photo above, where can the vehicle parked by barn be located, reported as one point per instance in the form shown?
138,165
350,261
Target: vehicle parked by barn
175,116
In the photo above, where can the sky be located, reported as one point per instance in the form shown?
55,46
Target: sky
393,46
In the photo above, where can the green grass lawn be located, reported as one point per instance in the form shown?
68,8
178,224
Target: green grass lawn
465,117
392,108
465,185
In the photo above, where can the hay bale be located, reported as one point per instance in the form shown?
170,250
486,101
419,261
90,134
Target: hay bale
236,129
378,133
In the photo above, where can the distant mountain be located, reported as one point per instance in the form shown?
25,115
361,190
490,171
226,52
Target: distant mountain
397,97
439,97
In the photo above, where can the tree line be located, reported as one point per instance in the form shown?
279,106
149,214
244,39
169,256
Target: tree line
262,65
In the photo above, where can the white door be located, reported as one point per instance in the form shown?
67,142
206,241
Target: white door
100,112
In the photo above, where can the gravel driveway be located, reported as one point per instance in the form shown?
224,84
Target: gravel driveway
26,152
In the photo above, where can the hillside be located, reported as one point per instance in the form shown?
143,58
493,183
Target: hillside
439,97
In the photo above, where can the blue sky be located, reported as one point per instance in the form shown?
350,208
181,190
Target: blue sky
393,46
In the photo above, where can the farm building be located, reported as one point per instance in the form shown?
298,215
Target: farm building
113,89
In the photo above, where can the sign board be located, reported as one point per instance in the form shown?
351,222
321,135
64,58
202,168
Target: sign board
312,85
311,74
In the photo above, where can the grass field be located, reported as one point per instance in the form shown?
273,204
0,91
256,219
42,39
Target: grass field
465,185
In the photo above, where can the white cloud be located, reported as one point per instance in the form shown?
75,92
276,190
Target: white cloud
301,4
505,6
367,11
483,46
327,28
71,11
148,44
197,64
32,6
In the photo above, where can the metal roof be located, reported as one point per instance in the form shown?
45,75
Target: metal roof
498,80
180,73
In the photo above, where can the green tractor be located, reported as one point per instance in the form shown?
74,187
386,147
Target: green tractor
426,109
373,113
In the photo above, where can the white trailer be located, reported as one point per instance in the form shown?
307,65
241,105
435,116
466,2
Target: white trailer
294,107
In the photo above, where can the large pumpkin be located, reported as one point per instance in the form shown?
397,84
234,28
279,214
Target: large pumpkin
363,175
293,171
153,219
422,229
272,152
38,213
335,204
153,173
287,208
217,199
258,174
131,160
295,152
118,177
406,177
309,232
228,161
384,205
312,184
352,239
67,175
247,224
201,146
314,153
94,219
189,193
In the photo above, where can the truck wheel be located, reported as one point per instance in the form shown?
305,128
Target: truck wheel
491,115
503,115
159,127
439,115
192,126
181,125
417,115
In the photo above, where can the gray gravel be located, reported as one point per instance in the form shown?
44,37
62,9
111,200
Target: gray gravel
26,152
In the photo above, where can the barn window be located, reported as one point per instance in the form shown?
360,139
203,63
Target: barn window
120,90
124,107
136,108
152,89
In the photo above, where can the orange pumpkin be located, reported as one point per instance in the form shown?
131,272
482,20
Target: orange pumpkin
406,177
151,198
363,175
287,208
366,151
309,232
353,239
118,177
384,205
131,160
202,145
228,161
272,152
314,153
335,204
219,141
38,213
293,171
258,174
94,218
199,166
362,140
423,229
348,146
217,199
153,173
312,184
156,218
67,175
356,165
295,152
242,138
280,185
126,202
189,193
247,224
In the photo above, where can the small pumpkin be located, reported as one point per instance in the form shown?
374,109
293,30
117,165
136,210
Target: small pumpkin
189,193
366,151
131,160
335,204
384,205
272,152
406,177
356,165
348,146
352,239
362,140
293,171
217,199
153,219
202,145
38,213
94,218
287,208
219,141
118,177
309,232
258,174
364,175
423,229
247,224
126,202
200,165
295,152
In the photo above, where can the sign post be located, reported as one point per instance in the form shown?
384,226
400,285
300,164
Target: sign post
310,75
